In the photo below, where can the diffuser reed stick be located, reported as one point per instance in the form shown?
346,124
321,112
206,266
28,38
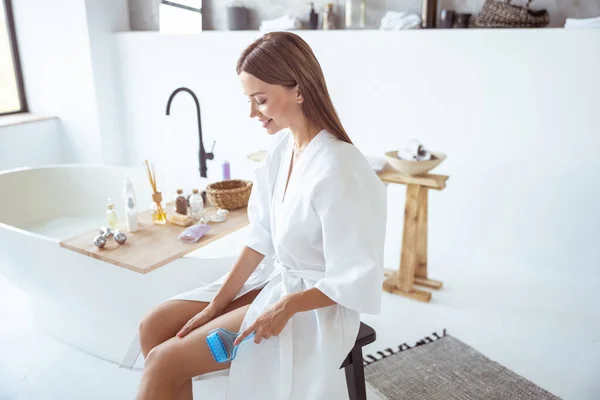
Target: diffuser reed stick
159,217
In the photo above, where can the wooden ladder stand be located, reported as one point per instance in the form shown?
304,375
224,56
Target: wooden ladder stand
413,259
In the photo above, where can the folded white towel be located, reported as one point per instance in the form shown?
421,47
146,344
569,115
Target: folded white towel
282,23
407,155
414,152
582,23
397,20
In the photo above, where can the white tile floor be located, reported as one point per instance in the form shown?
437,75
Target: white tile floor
542,323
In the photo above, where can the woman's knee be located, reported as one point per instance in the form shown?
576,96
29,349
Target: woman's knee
164,363
149,332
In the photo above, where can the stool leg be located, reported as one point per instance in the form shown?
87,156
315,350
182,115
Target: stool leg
355,376
421,267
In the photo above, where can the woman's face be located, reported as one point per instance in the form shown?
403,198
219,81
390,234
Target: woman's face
275,106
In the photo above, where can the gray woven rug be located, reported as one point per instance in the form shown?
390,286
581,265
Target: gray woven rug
444,368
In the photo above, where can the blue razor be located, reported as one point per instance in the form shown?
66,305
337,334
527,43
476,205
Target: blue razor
220,342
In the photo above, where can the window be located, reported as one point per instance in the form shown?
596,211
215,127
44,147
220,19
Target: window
12,99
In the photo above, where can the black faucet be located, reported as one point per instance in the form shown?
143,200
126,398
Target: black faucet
202,154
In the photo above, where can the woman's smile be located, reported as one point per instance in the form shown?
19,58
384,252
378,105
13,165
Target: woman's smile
265,122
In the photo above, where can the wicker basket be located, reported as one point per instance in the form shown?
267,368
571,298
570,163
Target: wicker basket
503,14
230,195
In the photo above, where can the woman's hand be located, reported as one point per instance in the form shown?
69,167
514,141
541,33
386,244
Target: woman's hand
204,316
270,323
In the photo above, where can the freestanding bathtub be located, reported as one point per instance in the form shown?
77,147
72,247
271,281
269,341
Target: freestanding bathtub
87,303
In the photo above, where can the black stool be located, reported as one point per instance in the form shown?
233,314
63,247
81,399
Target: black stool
353,364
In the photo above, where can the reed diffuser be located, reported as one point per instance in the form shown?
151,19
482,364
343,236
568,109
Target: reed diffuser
159,216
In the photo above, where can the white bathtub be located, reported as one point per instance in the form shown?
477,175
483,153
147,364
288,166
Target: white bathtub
90,304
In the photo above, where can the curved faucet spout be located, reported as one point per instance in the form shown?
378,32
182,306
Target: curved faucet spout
202,154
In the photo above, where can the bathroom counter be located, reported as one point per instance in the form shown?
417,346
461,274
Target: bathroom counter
151,246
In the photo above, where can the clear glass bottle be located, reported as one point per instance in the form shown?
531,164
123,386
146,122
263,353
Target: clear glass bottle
196,206
111,215
356,14
159,216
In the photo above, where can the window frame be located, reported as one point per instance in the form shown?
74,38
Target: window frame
12,38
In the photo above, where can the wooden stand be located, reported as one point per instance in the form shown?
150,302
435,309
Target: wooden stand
413,260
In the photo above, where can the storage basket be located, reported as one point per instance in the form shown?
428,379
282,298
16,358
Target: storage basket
503,14
230,194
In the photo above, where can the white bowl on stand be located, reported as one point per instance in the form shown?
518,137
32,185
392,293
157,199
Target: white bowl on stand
414,168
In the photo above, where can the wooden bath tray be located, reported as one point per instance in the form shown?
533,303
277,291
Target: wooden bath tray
151,246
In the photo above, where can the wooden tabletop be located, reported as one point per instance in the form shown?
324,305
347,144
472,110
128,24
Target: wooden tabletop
152,246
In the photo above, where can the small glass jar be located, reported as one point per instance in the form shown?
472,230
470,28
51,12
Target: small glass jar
159,216
181,203
111,215
356,14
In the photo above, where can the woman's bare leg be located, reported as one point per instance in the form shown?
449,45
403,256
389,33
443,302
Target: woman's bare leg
171,365
166,320
163,323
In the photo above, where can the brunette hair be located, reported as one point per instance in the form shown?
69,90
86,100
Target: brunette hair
284,58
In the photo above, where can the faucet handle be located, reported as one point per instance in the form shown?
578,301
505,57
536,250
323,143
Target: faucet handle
210,155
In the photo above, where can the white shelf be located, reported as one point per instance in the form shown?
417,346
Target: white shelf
351,32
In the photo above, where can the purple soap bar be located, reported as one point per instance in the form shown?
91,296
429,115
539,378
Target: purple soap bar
194,233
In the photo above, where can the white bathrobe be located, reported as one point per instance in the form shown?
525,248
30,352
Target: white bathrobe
328,232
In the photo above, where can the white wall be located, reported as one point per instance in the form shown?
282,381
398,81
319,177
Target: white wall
104,17
70,71
516,110
30,144
57,71
205,68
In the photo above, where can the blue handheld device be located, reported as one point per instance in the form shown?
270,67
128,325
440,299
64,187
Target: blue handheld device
220,342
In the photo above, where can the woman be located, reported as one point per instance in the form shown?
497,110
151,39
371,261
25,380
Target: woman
311,264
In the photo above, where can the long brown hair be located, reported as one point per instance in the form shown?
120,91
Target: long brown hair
283,58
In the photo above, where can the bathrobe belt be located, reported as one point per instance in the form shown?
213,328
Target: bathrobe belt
286,343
